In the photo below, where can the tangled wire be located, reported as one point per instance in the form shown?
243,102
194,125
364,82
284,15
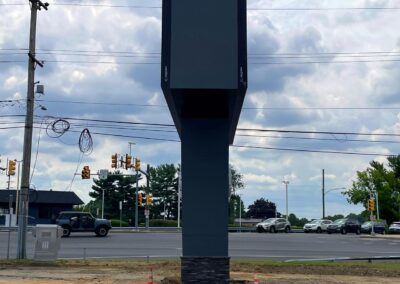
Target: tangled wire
85,142
60,126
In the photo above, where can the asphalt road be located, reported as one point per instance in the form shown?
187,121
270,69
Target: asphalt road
241,245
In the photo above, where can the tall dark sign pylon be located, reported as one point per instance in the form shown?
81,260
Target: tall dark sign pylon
204,80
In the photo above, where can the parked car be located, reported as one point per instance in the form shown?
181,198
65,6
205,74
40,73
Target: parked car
394,228
344,226
274,225
73,221
318,226
379,227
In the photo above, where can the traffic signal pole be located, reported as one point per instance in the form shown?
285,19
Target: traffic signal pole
137,201
27,151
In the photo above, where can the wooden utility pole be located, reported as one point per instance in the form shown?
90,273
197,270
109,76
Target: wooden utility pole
26,159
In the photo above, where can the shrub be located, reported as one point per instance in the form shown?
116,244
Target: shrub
115,223
163,223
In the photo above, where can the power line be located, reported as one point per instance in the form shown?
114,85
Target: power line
238,129
244,108
287,9
319,132
319,139
313,151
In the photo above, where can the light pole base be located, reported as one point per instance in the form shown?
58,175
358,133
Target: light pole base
205,269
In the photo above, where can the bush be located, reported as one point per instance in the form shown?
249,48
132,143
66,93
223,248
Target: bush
163,223
115,223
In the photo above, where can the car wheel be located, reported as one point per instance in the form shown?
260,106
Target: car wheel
305,231
102,231
319,231
272,230
260,229
343,231
358,231
66,232
329,232
287,229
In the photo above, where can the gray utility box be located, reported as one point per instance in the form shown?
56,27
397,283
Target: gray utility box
47,241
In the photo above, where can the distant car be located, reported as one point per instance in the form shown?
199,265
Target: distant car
318,226
73,221
379,227
344,226
274,225
394,228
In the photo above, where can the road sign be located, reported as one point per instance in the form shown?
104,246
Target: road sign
103,174
147,212
373,218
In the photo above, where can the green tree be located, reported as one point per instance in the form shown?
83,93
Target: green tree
335,217
261,209
385,181
116,188
236,180
164,188
236,208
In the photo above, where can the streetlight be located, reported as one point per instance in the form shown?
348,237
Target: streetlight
286,182
323,198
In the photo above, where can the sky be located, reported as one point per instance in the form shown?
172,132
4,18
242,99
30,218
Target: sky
314,66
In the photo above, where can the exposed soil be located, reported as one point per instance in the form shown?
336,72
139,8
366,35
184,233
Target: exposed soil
168,273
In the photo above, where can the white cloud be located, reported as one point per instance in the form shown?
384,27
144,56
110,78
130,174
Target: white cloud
301,87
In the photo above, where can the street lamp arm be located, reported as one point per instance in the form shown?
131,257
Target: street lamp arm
332,189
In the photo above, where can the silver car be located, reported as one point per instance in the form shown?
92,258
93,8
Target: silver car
274,225
318,226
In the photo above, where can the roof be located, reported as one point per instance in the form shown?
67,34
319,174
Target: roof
44,197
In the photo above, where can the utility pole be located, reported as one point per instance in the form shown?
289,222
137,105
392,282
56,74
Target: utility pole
147,211
323,194
26,163
286,182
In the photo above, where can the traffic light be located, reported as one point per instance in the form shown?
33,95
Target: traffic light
137,164
114,161
140,199
371,204
11,168
149,199
85,172
128,162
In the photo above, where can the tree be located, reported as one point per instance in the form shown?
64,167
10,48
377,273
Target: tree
385,181
236,208
261,209
164,188
236,185
236,180
294,221
116,188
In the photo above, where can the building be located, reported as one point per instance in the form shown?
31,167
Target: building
44,205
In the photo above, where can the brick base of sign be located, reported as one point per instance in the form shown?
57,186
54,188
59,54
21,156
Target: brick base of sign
205,269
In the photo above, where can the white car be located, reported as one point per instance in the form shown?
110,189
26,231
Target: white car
318,226
274,225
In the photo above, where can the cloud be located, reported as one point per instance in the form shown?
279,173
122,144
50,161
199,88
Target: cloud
284,93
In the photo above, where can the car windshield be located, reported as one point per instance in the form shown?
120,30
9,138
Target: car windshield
314,222
270,220
396,225
340,221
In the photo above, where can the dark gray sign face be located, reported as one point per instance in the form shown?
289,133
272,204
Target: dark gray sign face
204,44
